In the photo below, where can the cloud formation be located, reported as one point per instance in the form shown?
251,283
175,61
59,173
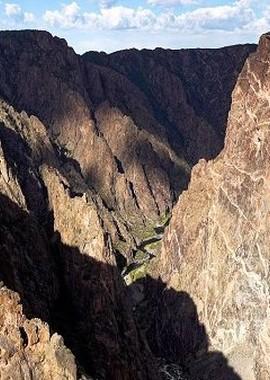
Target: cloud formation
148,25
12,9
68,16
107,3
224,17
15,12
171,3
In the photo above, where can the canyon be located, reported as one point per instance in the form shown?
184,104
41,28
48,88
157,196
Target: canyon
106,273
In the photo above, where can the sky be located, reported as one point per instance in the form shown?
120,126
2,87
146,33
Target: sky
110,25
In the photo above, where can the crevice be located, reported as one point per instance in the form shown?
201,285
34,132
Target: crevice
119,165
121,260
150,189
24,336
71,193
134,196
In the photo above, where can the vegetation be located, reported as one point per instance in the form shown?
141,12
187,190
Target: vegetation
136,274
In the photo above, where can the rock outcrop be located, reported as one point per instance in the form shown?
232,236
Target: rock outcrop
57,254
90,180
187,91
27,349
216,248
134,121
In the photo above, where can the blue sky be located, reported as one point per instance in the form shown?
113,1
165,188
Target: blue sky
111,25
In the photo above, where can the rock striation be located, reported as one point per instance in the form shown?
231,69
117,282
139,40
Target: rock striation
135,122
216,248
89,181
187,91
57,254
27,349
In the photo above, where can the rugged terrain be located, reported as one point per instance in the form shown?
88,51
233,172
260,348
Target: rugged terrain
27,349
216,249
87,187
135,125
57,254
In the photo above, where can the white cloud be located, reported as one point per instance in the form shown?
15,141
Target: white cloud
226,17
170,3
67,17
29,17
106,3
70,16
12,9
261,24
15,12
121,18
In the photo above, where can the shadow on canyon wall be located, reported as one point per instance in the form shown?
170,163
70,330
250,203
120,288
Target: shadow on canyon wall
170,322
86,301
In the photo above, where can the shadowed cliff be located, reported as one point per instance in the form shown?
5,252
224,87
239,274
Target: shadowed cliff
170,322
84,189
92,309
88,307
135,122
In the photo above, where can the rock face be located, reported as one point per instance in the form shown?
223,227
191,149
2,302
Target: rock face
94,174
57,254
134,121
216,248
187,91
27,350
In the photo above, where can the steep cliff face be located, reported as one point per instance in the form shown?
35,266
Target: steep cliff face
26,264
216,248
135,123
93,176
187,91
57,254
104,335
27,350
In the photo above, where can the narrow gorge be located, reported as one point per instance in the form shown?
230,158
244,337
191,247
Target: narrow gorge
134,244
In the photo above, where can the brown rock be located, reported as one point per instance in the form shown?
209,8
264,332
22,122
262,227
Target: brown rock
56,252
216,248
85,185
134,121
187,91
27,349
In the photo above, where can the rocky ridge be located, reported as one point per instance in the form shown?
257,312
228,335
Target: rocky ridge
135,122
188,91
56,253
87,186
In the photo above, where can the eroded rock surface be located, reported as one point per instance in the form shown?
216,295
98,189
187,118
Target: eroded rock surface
187,91
92,178
27,349
56,252
134,121
216,248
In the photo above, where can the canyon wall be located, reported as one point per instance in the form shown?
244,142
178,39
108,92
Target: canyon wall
216,248
135,122
57,254
89,179
27,350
